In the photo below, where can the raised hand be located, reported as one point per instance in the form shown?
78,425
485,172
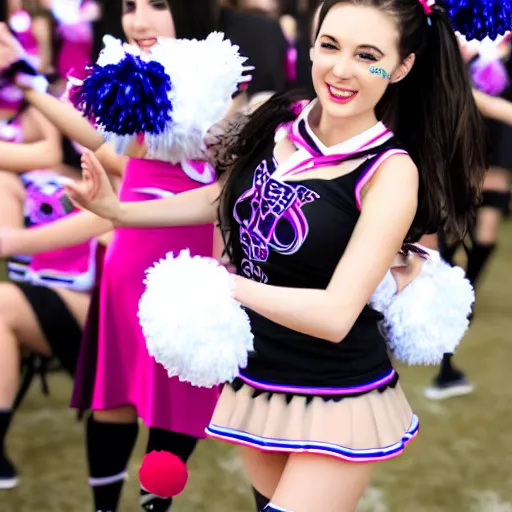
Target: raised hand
94,191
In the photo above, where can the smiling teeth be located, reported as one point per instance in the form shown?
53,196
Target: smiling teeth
342,94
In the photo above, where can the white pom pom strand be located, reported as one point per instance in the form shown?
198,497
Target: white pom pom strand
204,75
430,316
113,51
192,324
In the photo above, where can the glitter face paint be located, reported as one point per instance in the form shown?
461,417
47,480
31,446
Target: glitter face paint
380,72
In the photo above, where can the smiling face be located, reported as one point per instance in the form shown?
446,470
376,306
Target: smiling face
146,20
356,55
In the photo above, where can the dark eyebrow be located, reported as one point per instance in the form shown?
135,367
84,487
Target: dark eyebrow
362,46
371,47
331,38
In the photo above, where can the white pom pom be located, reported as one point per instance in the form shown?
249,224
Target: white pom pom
384,294
113,51
430,316
204,75
192,324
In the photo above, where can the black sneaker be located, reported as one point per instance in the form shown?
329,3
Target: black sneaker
449,387
8,475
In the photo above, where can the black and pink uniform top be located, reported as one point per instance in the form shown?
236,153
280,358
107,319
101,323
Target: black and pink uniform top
293,234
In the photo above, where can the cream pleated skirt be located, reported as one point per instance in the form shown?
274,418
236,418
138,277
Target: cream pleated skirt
366,428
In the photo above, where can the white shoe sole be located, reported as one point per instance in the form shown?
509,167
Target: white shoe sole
434,393
9,483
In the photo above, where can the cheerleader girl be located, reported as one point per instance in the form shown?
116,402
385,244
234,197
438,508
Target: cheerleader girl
122,383
319,401
45,311
489,63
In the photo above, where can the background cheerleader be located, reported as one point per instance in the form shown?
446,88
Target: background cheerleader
489,65
45,311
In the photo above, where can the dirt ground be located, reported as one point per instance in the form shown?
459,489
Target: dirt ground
461,461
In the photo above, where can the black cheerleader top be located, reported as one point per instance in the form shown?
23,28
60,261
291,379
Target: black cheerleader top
293,234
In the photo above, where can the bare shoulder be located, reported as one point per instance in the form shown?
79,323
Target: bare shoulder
397,169
396,177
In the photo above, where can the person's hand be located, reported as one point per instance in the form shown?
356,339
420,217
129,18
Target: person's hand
94,191
468,50
25,75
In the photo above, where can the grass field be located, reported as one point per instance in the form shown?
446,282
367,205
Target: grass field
461,461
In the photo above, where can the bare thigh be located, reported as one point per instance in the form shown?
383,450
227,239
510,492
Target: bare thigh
18,328
264,469
317,483
17,315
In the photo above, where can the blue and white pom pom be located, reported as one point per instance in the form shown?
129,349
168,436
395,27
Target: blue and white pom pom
429,317
479,19
192,324
172,95
125,94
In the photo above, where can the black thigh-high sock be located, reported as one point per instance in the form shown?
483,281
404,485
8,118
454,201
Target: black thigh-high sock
7,470
109,446
261,501
5,422
181,445
477,259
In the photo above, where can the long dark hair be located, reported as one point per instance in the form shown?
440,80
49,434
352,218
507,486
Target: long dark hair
4,11
432,113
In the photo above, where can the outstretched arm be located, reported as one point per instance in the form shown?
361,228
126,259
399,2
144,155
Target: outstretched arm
66,232
495,108
66,118
62,114
383,225
95,193
71,123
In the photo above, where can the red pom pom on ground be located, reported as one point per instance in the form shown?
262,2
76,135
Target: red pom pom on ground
163,474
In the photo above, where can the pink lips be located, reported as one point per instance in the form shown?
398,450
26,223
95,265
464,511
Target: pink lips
340,99
146,44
